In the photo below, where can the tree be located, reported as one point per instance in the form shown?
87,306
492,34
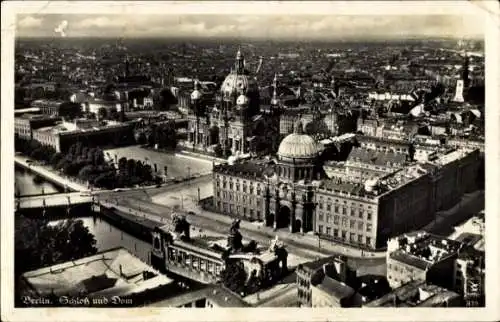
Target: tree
86,172
38,244
102,113
70,110
113,114
218,150
234,276
122,164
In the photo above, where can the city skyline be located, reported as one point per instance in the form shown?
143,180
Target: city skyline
286,27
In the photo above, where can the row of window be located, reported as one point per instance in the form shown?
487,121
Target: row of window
239,198
287,172
196,263
344,222
345,210
384,147
337,201
345,235
236,187
239,210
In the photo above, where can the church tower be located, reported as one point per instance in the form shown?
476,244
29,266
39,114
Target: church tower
465,72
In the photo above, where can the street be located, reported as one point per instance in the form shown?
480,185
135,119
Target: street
213,223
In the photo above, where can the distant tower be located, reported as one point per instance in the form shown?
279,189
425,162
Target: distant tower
127,67
459,92
274,99
465,72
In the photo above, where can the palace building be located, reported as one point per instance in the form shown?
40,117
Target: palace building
380,192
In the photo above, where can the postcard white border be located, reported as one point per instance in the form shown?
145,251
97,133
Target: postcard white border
488,11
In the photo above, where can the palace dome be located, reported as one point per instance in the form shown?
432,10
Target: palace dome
298,145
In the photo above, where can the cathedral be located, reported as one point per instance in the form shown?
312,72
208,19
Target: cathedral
234,125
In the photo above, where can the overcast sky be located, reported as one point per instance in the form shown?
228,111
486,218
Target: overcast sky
251,26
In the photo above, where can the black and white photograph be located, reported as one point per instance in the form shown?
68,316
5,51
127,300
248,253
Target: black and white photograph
238,156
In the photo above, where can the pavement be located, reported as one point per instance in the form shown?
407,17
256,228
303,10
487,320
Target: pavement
280,295
299,252
48,172
176,166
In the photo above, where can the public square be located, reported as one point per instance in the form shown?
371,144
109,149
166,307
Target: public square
177,165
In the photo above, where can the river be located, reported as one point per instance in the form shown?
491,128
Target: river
107,235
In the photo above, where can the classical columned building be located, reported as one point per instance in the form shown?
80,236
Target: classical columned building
289,190
280,192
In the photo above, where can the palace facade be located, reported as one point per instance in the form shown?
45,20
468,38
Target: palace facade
380,191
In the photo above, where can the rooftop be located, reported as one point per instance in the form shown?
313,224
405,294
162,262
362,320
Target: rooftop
335,288
376,139
312,266
251,168
115,272
219,295
34,117
338,139
452,156
387,158
421,249
415,294
70,128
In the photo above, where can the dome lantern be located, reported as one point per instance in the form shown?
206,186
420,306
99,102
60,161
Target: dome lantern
298,128
240,62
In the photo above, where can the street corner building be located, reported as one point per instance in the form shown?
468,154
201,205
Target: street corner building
446,263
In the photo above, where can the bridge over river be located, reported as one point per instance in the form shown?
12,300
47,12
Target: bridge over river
54,200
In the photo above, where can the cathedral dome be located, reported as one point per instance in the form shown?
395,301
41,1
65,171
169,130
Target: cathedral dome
298,145
238,82
235,84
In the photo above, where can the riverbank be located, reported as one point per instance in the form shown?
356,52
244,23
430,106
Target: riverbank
51,175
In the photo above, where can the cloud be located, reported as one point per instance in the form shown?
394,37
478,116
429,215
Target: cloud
272,26
30,22
103,22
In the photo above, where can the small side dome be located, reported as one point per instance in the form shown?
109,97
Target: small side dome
196,95
242,100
